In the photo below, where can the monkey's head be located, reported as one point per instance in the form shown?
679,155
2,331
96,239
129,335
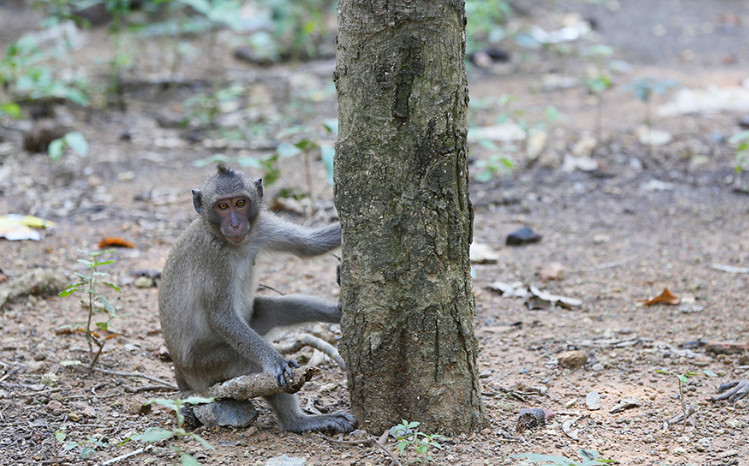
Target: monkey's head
229,202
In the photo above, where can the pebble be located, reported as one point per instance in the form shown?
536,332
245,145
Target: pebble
50,380
284,460
572,359
593,401
145,282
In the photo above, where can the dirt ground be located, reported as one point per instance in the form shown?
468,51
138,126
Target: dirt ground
643,220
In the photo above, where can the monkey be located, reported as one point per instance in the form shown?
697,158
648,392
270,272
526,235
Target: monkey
211,320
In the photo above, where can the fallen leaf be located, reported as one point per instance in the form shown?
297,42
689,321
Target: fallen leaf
666,298
117,242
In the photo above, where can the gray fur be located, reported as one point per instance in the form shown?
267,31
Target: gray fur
210,318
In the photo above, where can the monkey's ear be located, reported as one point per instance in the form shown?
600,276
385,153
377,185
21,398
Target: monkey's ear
197,200
259,187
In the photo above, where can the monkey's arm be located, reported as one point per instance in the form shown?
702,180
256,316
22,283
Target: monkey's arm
281,236
237,333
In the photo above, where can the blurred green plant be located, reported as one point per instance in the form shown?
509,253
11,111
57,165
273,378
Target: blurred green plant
409,436
486,20
299,28
741,141
588,458
207,106
156,434
645,88
74,140
30,74
87,447
683,379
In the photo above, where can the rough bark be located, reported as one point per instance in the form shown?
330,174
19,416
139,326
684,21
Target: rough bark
402,194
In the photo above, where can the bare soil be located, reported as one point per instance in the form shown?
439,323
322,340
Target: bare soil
647,219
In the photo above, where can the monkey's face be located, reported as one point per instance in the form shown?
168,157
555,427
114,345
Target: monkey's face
233,214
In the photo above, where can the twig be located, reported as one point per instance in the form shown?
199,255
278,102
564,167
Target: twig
314,342
126,456
149,388
607,265
367,441
127,374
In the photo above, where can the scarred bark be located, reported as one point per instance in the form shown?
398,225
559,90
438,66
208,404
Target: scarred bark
402,194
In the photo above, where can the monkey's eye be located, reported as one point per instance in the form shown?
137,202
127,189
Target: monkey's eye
223,206
241,202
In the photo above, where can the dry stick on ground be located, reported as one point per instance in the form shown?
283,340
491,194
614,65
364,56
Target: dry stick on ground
314,342
608,265
127,374
366,441
250,386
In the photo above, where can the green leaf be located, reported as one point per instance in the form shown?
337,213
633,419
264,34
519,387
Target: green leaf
97,253
331,125
286,150
10,108
709,373
76,141
484,176
171,404
60,436
327,153
83,277
202,441
536,458
402,445
188,460
113,286
247,161
738,137
55,149
682,378
88,264
69,290
197,400
99,264
107,305
153,434
201,6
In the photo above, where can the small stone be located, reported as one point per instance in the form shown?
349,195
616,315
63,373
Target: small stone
145,282
572,359
523,236
552,271
601,238
585,146
652,137
54,405
485,374
75,417
597,367
226,413
50,380
483,254
593,401
536,144
284,460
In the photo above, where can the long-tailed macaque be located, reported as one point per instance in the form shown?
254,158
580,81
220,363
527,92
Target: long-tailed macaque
210,317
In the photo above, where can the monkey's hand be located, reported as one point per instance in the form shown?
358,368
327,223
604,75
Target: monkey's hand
281,371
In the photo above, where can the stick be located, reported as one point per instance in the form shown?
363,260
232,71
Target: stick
123,457
314,342
127,374
250,386
367,441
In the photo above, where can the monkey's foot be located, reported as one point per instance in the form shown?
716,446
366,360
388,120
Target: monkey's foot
338,422
732,391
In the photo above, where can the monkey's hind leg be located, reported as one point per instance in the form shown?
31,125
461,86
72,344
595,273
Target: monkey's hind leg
291,417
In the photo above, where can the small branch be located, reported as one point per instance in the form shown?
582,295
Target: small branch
260,285
314,342
127,374
371,441
124,457
250,386
149,388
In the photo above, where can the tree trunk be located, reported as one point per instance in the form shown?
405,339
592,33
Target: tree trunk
401,174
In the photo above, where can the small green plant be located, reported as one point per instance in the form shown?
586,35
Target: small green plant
598,80
74,140
644,88
486,19
156,434
87,447
684,380
496,163
90,285
206,107
587,457
741,141
408,436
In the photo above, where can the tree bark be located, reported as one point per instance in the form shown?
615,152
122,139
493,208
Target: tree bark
401,177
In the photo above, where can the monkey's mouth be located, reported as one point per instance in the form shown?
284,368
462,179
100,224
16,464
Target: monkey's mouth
236,239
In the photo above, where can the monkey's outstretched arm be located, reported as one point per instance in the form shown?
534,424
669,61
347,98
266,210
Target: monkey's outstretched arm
252,346
281,236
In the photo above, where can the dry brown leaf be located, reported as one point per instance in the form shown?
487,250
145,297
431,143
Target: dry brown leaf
116,242
666,298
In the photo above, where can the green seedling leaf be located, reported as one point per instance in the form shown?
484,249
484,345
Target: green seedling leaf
60,436
537,458
286,150
88,264
202,441
738,137
55,149
248,162
113,286
76,141
98,264
188,460
153,434
327,153
69,290
331,124
84,277
709,373
11,108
